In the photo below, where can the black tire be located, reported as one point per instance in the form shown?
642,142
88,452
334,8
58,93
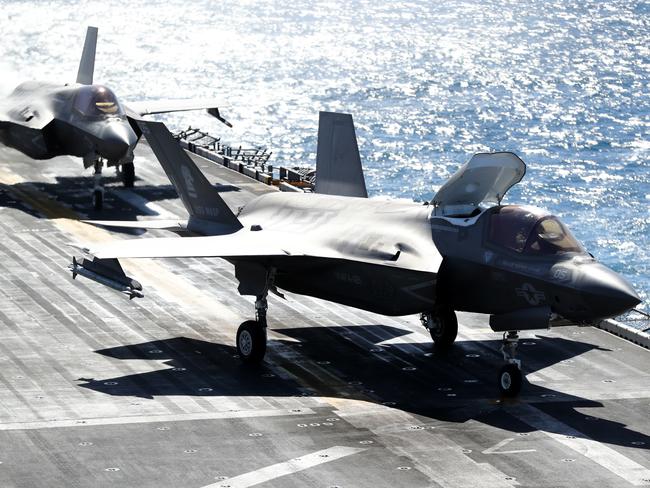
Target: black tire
510,380
251,342
445,333
98,199
128,175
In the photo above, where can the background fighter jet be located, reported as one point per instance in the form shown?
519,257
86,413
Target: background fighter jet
44,120
463,251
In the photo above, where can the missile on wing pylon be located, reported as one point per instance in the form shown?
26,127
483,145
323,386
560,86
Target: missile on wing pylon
107,272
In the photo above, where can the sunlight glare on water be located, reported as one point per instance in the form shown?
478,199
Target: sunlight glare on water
563,84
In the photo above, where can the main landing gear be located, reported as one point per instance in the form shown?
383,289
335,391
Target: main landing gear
510,377
442,326
251,335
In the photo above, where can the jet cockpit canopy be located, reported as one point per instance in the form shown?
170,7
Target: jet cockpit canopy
97,101
484,179
531,231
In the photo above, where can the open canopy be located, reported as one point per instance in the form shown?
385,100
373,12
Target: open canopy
483,179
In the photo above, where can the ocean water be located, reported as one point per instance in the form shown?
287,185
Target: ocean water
563,84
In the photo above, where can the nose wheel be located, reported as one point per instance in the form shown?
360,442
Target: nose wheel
510,377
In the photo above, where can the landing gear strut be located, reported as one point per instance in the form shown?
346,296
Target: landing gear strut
128,174
251,335
98,189
510,377
442,326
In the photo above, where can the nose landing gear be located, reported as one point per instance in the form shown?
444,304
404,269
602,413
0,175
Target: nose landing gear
98,188
127,170
510,377
128,174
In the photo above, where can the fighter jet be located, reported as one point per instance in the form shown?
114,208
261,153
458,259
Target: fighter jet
44,120
464,251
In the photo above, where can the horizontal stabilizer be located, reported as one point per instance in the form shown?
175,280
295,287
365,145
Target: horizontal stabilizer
170,225
338,165
87,63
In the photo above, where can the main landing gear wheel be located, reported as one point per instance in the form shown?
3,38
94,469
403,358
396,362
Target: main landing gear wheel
98,199
251,342
442,326
510,380
128,175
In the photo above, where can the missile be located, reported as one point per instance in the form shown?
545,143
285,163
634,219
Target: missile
108,272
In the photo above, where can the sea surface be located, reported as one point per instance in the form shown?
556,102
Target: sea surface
564,84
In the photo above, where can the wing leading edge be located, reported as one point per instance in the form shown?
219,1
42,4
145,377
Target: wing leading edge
239,244
150,107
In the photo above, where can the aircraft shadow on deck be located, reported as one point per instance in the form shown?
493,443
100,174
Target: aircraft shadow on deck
72,193
200,368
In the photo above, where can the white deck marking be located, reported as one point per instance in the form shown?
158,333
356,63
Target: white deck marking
143,204
605,456
288,467
146,419
495,449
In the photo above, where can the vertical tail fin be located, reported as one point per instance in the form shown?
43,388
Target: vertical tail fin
338,165
87,63
200,198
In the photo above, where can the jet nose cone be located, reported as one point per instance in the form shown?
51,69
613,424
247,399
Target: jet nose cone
117,139
607,293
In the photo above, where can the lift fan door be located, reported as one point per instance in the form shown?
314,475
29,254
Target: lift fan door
484,179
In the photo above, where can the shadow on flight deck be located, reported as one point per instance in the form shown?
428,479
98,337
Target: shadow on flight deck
70,194
455,388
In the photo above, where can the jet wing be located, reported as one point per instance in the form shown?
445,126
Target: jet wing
149,107
243,243
239,244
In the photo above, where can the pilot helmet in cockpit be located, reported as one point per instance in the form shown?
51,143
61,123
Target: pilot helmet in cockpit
97,101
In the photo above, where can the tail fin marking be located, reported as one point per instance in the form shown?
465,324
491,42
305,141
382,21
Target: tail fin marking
199,197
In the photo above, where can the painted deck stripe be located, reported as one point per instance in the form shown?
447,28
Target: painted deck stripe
147,419
288,467
143,204
605,456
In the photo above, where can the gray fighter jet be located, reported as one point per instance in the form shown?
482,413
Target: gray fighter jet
44,120
465,250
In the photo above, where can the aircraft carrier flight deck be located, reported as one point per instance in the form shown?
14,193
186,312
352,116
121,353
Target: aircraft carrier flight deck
98,390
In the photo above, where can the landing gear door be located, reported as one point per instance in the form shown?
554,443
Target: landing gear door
484,179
